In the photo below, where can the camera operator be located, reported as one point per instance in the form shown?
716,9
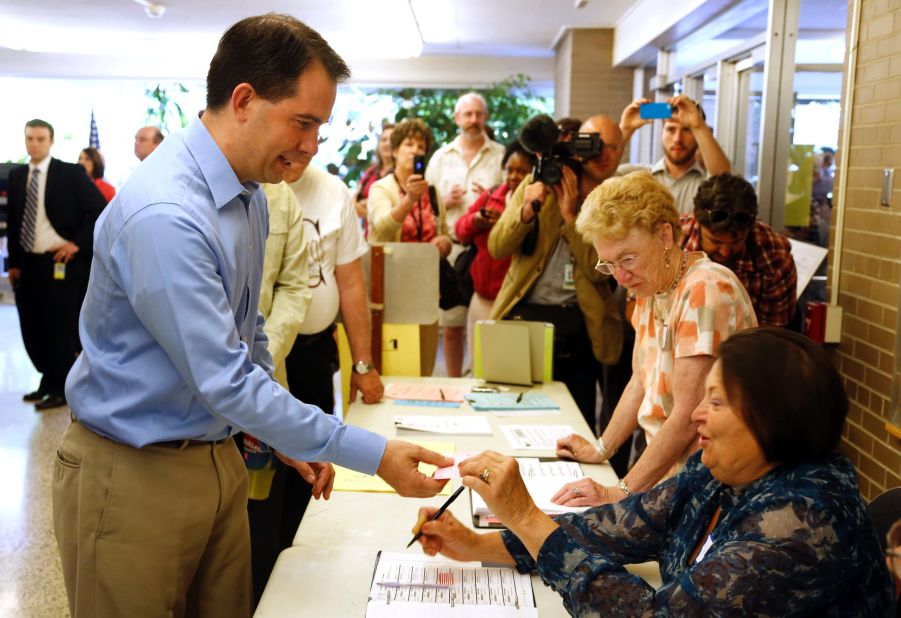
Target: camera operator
552,276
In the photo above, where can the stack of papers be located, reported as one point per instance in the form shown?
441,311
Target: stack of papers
535,437
425,392
511,401
457,425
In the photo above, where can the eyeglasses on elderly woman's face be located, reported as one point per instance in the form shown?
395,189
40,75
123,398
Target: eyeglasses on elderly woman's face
627,263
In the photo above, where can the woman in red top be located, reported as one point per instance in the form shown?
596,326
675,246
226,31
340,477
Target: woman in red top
474,226
92,162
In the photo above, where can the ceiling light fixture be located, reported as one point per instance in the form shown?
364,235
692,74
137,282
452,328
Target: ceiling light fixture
154,10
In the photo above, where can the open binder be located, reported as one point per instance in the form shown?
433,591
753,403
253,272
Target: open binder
416,585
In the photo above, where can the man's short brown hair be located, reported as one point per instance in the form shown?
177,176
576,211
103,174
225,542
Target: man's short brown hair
37,123
269,52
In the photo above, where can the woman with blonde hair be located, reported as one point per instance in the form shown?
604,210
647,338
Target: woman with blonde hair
686,305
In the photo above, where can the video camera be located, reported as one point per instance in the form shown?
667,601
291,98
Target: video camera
540,135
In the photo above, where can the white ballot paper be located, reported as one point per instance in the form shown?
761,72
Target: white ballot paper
415,585
535,437
457,425
543,479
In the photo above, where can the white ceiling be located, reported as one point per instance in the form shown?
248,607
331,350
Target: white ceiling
470,42
110,37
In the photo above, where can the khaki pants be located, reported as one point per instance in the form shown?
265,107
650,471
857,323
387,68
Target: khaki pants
156,531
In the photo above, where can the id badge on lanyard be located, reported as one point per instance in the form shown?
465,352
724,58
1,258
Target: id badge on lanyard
569,282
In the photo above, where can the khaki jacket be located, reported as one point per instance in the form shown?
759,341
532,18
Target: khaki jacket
284,295
593,291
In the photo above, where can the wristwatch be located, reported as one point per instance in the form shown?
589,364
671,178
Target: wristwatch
362,368
625,488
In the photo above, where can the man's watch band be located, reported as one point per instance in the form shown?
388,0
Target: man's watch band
362,367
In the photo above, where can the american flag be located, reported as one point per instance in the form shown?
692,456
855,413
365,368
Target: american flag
94,139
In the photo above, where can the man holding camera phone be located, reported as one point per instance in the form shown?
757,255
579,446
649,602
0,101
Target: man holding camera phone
552,276
688,146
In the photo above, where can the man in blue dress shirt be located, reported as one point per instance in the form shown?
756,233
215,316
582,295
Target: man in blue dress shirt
150,493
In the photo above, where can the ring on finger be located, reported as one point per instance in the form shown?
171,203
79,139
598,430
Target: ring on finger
485,474
577,491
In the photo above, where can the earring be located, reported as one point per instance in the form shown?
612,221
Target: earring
667,261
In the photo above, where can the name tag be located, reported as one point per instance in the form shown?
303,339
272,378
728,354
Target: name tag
59,271
569,282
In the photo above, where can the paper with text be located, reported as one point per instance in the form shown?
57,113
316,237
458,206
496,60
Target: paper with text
406,584
535,437
456,425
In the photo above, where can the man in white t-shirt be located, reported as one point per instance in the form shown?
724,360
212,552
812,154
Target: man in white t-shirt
332,272
460,171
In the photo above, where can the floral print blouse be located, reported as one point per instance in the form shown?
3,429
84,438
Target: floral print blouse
707,305
797,541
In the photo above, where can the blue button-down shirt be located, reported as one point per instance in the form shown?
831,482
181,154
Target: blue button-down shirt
173,343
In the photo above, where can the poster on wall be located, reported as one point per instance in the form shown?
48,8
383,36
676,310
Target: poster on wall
799,186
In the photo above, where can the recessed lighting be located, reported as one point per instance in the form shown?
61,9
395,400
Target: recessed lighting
154,10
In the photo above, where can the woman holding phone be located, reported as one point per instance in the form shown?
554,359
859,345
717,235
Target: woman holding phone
400,207
403,209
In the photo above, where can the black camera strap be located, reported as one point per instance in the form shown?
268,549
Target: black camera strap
433,198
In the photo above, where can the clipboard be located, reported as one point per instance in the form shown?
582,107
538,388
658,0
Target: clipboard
501,347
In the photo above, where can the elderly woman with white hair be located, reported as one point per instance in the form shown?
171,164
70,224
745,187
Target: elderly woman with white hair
686,306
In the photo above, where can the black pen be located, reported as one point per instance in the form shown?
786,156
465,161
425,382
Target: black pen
519,399
438,513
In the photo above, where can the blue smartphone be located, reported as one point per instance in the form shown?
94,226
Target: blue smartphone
655,110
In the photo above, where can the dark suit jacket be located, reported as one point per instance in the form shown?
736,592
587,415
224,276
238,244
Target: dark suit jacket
73,203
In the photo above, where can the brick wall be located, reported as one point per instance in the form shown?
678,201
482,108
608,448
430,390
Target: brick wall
586,82
871,256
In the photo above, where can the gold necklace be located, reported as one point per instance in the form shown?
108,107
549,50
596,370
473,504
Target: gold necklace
663,338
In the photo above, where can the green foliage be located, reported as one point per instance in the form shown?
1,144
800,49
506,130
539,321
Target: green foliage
510,103
163,106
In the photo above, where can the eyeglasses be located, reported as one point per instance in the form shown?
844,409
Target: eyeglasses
628,263
721,217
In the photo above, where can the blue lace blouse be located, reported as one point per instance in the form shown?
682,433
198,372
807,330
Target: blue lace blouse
797,541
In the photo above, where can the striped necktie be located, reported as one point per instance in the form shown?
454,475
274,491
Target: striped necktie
30,216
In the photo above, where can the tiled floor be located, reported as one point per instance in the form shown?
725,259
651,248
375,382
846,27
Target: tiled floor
31,583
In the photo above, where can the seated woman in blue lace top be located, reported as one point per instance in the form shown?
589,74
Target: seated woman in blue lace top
765,520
